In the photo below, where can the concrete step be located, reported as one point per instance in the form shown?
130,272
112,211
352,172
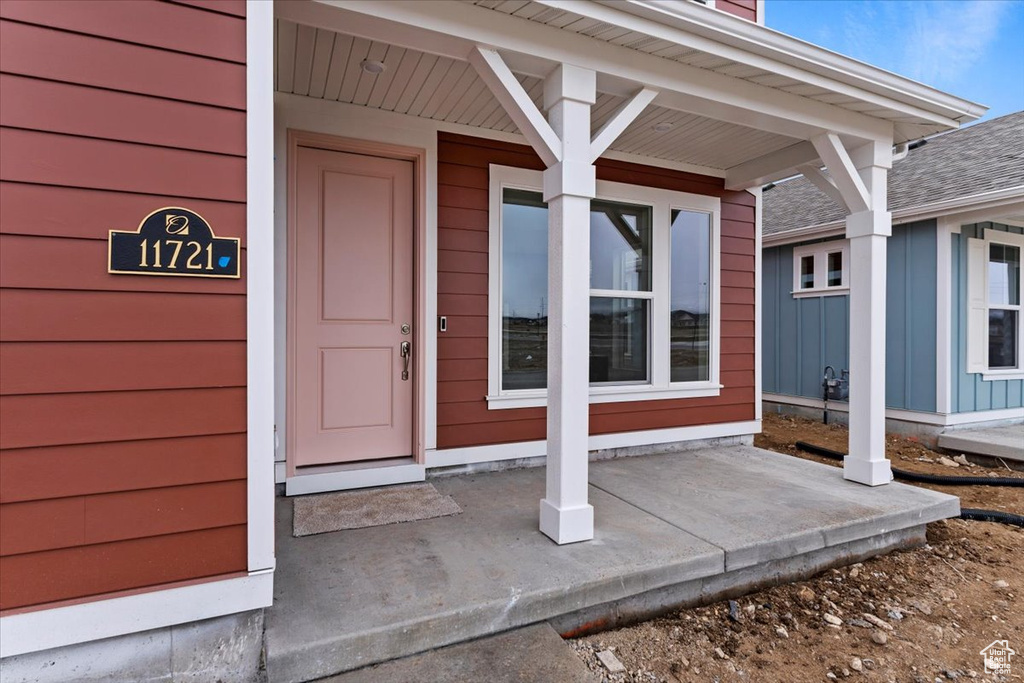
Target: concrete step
1004,441
534,654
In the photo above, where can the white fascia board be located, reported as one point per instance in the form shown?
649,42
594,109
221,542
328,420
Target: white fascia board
454,29
755,45
44,629
972,209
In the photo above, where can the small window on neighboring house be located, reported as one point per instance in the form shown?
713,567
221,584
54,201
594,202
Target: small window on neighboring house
807,272
835,269
820,269
994,300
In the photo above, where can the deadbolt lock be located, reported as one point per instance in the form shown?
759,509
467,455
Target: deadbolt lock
406,329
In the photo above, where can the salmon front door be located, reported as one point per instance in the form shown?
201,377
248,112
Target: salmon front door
353,308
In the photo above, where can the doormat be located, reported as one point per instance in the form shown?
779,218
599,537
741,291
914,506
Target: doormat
370,507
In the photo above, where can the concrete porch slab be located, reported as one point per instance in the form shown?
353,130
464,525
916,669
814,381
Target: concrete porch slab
1003,441
669,529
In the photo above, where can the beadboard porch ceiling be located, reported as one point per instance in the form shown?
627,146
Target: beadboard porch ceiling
324,64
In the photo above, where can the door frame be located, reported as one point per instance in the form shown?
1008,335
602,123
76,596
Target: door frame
418,156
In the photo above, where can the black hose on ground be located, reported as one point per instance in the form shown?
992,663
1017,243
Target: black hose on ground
965,513
921,478
992,516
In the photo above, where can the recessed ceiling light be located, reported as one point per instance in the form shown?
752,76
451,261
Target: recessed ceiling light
663,127
372,67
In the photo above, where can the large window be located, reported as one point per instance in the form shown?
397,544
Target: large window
994,296
653,292
821,269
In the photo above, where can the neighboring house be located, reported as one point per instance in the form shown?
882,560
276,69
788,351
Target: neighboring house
953,285
423,252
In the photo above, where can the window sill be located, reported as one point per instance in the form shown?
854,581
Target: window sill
831,291
616,394
998,375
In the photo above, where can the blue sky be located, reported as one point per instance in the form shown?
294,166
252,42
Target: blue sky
970,48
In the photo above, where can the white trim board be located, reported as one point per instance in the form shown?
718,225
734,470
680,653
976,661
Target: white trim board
259,279
450,457
354,478
45,629
938,419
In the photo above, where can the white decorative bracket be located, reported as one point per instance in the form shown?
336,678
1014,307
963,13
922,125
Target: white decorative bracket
619,121
517,103
845,176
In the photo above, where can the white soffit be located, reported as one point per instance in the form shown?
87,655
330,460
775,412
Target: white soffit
324,64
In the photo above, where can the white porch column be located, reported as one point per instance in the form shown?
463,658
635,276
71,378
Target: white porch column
564,144
867,231
569,185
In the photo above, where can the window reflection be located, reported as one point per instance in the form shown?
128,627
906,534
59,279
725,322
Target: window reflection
524,290
620,246
690,296
618,340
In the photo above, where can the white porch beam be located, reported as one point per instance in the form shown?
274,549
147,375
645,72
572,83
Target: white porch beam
770,167
517,104
823,183
847,180
453,29
619,121
868,230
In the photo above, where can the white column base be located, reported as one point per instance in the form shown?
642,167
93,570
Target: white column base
566,525
870,472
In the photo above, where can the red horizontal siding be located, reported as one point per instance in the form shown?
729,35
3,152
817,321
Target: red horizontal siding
157,24
49,159
463,417
41,315
73,367
53,575
53,211
232,7
120,416
744,9
88,520
87,60
90,112
123,399
78,470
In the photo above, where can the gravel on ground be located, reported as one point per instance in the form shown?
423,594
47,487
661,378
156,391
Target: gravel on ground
918,616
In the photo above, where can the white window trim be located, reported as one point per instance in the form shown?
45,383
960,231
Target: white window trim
820,253
978,308
663,201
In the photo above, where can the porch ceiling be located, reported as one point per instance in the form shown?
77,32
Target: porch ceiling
324,64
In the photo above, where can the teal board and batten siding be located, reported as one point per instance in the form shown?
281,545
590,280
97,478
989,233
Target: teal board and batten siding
969,391
803,335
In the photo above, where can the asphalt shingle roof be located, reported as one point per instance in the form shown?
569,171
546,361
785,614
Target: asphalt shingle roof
980,158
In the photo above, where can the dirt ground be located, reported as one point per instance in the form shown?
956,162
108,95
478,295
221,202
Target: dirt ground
917,616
